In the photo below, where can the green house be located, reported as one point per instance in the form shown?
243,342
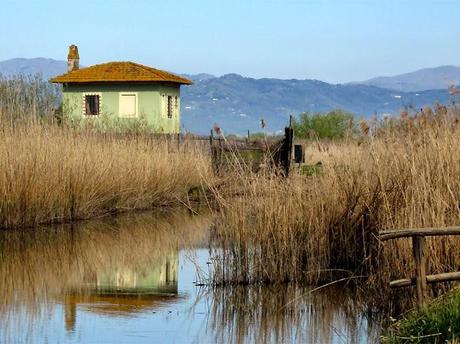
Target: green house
124,92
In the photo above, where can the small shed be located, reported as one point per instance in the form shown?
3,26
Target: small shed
122,91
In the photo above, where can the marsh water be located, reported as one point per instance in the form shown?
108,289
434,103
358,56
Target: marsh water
143,278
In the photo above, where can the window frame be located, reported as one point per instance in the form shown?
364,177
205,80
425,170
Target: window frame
176,105
169,106
169,110
85,94
120,96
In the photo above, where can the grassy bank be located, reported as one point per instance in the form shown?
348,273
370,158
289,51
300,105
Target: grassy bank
53,174
439,322
406,174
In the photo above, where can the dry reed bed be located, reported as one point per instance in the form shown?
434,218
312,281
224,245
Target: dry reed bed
27,97
53,174
309,228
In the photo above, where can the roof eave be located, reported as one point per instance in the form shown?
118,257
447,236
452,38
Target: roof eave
99,81
118,82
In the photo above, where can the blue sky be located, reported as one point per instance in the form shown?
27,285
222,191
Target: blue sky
334,41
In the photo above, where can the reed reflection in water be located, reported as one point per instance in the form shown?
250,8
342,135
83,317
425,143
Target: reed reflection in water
292,314
130,279
113,266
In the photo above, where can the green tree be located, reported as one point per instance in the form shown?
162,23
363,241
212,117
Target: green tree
335,124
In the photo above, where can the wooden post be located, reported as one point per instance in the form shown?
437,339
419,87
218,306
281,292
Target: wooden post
211,137
286,150
418,246
220,154
216,151
211,149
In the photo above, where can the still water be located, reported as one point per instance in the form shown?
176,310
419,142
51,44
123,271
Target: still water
141,279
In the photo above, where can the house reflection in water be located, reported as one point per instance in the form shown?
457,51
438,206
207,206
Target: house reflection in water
124,290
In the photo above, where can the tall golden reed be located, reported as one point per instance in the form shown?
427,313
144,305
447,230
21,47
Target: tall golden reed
53,174
407,174
50,172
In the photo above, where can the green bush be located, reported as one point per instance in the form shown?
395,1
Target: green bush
335,124
439,322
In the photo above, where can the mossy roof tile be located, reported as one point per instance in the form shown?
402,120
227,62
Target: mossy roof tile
119,72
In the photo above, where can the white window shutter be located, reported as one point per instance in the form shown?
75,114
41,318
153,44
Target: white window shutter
163,108
177,107
128,105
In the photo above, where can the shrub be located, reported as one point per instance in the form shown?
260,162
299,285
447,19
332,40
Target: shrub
336,124
439,322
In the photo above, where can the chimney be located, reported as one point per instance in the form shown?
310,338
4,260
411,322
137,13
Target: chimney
73,59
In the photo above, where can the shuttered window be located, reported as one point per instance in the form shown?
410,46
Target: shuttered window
176,106
169,106
92,105
128,105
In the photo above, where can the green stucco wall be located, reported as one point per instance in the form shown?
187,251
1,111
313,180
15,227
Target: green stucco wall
148,98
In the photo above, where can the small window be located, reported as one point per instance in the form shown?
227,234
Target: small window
92,105
170,107
176,106
128,105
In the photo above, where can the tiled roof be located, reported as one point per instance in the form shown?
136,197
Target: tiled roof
119,72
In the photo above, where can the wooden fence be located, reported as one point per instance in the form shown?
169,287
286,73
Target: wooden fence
418,246
253,152
224,151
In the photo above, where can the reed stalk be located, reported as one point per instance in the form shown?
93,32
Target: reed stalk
404,173
53,174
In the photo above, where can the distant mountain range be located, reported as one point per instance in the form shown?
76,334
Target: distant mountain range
39,65
424,79
237,103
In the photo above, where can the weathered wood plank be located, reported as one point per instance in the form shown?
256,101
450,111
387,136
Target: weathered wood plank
418,246
444,277
430,231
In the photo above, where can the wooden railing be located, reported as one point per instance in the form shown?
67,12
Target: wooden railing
418,245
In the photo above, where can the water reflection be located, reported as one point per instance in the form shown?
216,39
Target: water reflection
291,314
113,266
131,279
122,290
